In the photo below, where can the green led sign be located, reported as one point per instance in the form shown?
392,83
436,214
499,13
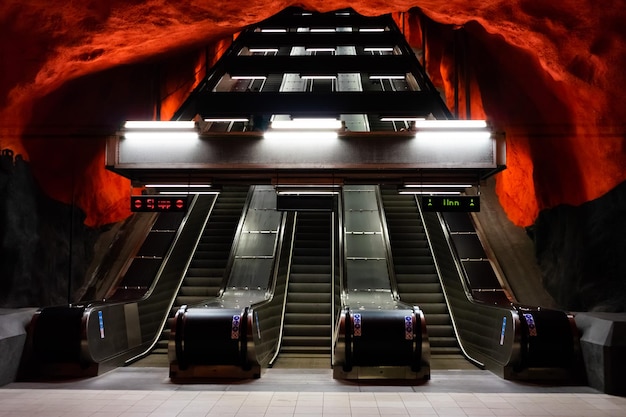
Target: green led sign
451,203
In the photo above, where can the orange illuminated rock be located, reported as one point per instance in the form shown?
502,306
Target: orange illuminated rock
549,74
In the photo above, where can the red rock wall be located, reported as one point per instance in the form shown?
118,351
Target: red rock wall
549,74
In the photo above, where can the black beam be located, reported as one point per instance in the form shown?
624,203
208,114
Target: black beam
389,103
318,64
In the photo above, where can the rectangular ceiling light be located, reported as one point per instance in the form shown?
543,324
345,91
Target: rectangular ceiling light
320,49
323,30
157,125
268,30
387,77
227,120
262,50
378,49
318,77
450,124
248,77
401,119
307,123
371,29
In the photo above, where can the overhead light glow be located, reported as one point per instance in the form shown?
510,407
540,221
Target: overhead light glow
451,124
157,124
268,30
371,29
226,120
177,185
301,123
323,30
401,119
437,185
320,49
248,77
318,77
262,50
161,136
429,192
378,49
387,77
300,135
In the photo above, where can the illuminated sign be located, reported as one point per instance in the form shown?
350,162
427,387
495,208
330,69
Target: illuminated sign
451,203
158,203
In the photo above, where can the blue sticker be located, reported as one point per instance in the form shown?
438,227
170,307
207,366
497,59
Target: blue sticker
503,330
408,327
357,324
101,323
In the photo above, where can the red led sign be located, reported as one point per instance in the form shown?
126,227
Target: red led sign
158,203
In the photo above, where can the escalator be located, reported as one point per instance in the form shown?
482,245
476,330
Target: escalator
307,329
416,275
205,275
92,337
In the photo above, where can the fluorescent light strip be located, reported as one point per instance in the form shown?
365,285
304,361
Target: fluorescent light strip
387,77
317,124
318,77
437,186
253,50
320,49
190,192
155,124
371,29
248,77
161,136
323,30
300,135
226,120
177,185
378,49
429,192
401,119
266,30
451,124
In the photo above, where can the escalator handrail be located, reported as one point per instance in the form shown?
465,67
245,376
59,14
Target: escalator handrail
155,340
387,242
443,289
237,238
86,353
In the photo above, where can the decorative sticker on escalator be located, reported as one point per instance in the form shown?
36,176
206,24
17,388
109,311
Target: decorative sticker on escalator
234,332
530,321
408,327
101,324
357,324
503,330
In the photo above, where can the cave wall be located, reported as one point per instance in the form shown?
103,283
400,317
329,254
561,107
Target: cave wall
549,74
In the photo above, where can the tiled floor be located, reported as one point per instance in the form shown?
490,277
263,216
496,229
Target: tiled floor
147,391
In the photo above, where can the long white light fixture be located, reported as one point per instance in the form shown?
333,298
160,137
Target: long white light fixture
387,77
371,29
158,124
318,77
248,77
269,30
153,130
304,129
450,124
319,49
227,120
428,192
400,119
307,123
262,50
378,49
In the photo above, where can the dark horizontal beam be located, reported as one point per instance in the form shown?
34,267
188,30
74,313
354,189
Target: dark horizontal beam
390,103
308,39
319,64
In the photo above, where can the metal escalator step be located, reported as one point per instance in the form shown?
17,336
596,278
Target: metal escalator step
416,269
310,269
434,308
306,308
421,288
190,300
437,342
423,300
205,292
308,341
309,277
445,350
205,272
441,319
310,330
303,298
440,330
202,281
320,317
417,278
305,350
414,260
321,288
